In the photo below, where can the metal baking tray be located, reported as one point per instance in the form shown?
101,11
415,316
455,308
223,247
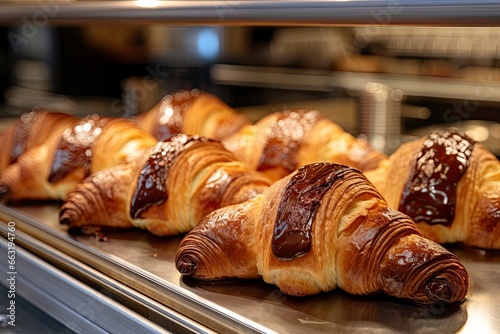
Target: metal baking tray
145,264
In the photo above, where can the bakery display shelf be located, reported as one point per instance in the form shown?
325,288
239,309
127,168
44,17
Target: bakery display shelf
140,309
255,12
143,265
76,306
354,82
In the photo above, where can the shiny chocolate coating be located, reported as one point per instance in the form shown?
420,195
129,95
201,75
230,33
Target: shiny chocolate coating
21,133
284,138
75,147
171,113
430,193
152,184
300,201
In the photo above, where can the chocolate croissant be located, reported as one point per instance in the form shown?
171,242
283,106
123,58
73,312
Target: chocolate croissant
322,227
192,112
283,141
166,191
51,170
448,184
30,130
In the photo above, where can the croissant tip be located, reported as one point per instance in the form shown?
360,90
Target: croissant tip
186,266
65,221
441,290
64,218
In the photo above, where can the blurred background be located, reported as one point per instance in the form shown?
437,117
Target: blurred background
387,83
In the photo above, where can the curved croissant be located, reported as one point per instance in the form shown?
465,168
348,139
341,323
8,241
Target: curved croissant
322,227
51,170
191,112
283,141
166,191
30,130
448,184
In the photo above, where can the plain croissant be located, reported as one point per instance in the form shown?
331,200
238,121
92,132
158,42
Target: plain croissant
448,184
52,169
192,112
282,141
166,191
322,227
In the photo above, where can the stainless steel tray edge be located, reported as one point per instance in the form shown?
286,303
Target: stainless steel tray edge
78,307
147,283
146,261
109,287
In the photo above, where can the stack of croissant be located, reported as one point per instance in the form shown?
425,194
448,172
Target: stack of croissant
46,154
166,191
456,198
324,226
283,141
293,198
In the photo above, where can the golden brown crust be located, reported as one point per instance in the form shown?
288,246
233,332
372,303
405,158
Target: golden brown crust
200,176
358,244
51,170
30,130
27,178
211,117
120,141
192,112
476,221
283,141
101,198
328,142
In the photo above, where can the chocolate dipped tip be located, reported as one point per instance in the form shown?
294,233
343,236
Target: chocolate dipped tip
186,266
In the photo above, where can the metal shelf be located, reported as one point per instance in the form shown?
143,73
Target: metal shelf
324,80
67,300
256,12
141,265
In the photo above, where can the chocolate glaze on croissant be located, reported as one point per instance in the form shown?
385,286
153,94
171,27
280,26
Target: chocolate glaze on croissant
52,169
283,141
192,112
30,130
165,191
448,184
322,227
